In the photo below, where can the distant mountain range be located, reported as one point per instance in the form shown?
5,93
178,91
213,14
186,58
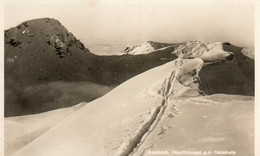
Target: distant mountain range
43,59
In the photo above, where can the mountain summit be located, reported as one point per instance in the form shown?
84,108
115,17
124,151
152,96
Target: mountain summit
42,49
44,33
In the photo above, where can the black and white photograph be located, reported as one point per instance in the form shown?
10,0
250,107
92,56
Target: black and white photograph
129,78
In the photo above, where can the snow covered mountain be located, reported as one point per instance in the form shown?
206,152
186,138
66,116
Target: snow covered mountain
193,48
145,48
160,109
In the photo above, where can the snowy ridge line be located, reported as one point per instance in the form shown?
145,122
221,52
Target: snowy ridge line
150,123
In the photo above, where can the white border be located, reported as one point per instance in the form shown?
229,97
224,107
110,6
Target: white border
256,3
257,77
1,79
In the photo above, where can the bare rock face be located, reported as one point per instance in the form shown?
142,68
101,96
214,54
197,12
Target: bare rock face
43,49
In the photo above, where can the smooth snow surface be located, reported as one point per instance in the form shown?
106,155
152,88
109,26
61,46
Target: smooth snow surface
211,123
100,127
19,131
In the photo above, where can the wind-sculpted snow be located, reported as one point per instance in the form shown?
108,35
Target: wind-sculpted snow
185,80
121,121
211,52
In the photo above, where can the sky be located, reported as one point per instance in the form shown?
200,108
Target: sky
133,23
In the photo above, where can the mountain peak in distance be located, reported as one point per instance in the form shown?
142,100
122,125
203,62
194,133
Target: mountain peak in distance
44,33
145,48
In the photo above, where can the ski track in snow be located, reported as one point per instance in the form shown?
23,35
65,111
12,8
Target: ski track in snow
150,124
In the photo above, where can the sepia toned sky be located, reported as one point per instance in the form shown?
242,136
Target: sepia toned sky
131,23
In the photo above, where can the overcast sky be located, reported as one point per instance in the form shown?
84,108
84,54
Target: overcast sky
135,23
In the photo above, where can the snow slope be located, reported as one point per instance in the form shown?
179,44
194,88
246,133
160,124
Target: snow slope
136,116
117,117
21,130
212,124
